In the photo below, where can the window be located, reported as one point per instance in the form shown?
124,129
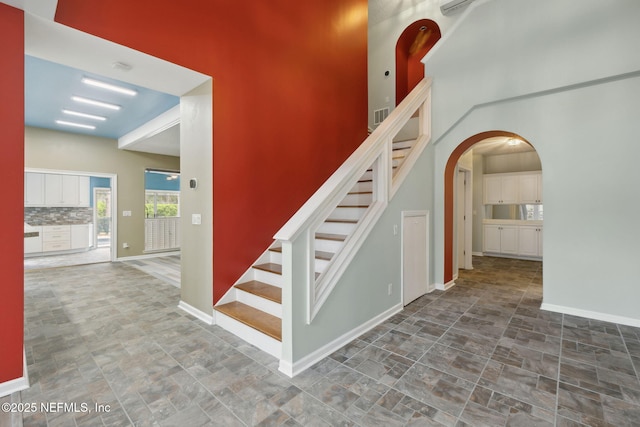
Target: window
162,204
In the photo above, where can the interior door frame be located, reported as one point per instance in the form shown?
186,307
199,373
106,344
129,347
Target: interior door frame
467,262
405,215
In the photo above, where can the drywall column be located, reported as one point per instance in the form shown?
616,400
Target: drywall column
12,164
196,160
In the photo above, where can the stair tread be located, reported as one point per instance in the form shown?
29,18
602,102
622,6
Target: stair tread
257,319
319,254
329,236
343,221
360,192
261,289
353,206
270,267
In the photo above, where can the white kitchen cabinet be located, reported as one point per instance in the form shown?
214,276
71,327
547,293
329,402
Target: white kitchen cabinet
33,244
530,188
530,241
61,190
500,189
501,239
84,191
56,238
33,189
81,236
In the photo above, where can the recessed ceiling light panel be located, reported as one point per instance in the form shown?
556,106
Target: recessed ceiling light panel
84,115
77,125
95,103
109,86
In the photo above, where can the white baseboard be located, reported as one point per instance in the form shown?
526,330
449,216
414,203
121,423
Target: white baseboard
293,369
591,314
147,256
445,286
477,253
19,384
199,314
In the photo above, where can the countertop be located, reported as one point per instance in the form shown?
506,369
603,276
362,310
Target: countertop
512,222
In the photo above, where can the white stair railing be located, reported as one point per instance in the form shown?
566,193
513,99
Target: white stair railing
373,161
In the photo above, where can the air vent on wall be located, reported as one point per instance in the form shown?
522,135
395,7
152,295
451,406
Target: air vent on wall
380,115
449,7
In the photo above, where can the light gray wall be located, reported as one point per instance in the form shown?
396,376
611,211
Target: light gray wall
196,158
382,40
566,79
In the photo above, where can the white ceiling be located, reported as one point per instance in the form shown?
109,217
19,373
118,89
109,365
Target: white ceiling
499,145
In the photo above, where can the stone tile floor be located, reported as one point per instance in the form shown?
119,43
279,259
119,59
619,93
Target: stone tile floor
479,354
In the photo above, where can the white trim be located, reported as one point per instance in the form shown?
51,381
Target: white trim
209,319
147,256
19,384
293,369
477,253
444,287
605,317
253,336
151,128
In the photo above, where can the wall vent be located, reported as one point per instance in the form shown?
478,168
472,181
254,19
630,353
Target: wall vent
380,115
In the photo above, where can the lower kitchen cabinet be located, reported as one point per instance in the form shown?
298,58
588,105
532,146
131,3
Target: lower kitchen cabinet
513,240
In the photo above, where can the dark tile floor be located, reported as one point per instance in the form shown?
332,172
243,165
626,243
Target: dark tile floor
479,354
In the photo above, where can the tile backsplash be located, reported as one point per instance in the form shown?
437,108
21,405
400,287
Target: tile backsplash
38,216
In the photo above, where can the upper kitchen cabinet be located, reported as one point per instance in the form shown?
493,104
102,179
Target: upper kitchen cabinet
33,189
61,190
56,190
531,188
500,189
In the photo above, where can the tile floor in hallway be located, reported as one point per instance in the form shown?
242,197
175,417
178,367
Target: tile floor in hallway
479,354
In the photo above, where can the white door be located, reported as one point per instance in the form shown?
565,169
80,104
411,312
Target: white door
415,276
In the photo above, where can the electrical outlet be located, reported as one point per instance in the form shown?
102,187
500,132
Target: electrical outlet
390,289
125,246
126,213
395,229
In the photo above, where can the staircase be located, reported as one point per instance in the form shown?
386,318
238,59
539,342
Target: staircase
252,309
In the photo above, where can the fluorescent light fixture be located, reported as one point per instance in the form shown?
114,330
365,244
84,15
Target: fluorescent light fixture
95,103
77,125
84,115
109,86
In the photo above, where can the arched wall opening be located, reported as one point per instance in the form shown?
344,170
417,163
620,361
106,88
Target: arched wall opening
412,45
449,194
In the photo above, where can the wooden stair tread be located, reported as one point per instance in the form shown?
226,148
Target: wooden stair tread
342,221
259,320
319,254
328,236
269,267
360,192
353,206
264,290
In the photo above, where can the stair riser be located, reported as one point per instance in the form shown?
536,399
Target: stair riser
347,213
275,257
270,307
367,176
267,277
250,335
337,228
357,199
363,186
331,246
321,265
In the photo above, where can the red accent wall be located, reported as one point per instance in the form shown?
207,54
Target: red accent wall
290,99
12,165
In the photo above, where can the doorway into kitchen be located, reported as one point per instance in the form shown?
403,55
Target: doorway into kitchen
68,218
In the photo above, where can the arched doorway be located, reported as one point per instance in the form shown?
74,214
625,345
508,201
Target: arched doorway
413,44
451,169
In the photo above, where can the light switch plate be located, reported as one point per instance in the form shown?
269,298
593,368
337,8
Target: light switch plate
196,219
